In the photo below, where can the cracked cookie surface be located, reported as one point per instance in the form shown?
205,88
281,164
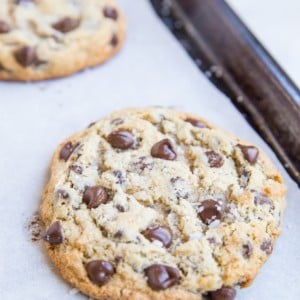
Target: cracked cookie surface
152,203
42,39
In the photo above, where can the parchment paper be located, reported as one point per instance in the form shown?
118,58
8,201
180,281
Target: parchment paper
153,69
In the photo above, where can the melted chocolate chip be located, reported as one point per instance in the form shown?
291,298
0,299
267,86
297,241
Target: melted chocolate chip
110,12
100,271
196,123
161,277
67,150
76,169
66,24
163,150
114,40
267,246
4,27
262,199
54,234
225,293
121,139
159,233
94,196
250,153
63,194
26,56
209,211
215,160
247,250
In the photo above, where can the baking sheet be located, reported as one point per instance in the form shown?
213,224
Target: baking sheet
153,69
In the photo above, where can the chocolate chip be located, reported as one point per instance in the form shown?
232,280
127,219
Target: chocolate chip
114,40
26,56
118,234
163,150
4,27
100,271
262,199
76,169
94,196
215,160
225,293
209,211
120,208
250,153
110,12
267,246
159,233
121,139
63,194
196,123
247,250
161,277
54,234
67,150
66,24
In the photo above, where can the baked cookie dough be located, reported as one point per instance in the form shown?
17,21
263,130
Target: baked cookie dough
42,39
151,203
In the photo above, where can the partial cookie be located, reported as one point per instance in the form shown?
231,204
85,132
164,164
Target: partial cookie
42,39
157,204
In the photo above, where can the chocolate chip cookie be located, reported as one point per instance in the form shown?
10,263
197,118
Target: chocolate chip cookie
157,204
42,39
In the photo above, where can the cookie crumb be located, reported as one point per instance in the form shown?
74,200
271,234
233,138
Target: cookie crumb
73,291
36,227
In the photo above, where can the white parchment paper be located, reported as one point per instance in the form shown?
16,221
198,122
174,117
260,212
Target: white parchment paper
153,69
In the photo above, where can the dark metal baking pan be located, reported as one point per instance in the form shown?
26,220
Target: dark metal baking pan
237,63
